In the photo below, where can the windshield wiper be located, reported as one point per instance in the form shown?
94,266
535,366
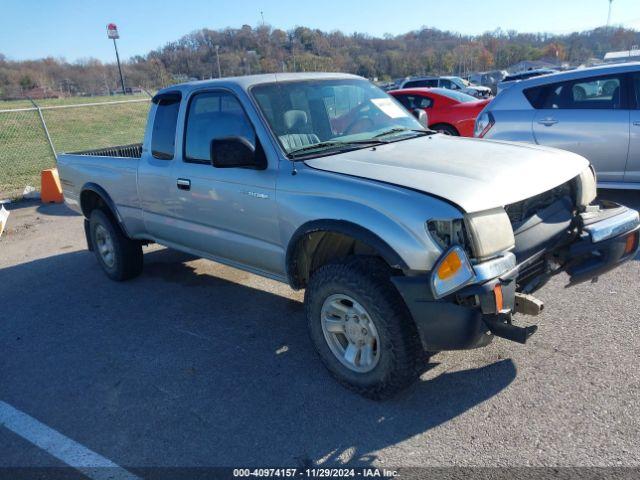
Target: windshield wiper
401,130
332,144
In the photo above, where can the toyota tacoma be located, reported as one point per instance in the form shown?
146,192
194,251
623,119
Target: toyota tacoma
407,242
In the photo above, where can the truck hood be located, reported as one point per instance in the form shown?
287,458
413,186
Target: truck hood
474,174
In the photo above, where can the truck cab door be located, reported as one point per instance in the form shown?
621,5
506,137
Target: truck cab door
156,177
587,117
228,214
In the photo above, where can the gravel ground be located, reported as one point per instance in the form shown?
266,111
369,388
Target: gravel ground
196,364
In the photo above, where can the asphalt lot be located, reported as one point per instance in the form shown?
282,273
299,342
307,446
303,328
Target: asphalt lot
196,364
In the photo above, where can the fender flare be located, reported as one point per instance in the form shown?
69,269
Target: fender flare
106,198
343,227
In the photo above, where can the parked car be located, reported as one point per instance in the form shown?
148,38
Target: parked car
489,79
451,83
406,241
593,112
448,111
509,80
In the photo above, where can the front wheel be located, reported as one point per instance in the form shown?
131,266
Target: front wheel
361,327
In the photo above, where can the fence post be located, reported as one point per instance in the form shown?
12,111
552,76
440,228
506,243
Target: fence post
44,126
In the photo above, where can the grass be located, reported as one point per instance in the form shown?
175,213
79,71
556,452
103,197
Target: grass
52,102
25,152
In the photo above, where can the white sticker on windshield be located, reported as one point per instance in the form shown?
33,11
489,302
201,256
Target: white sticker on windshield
389,107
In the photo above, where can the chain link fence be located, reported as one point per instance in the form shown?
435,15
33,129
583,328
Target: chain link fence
31,136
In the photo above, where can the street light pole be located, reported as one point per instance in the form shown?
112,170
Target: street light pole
293,52
124,92
112,33
218,61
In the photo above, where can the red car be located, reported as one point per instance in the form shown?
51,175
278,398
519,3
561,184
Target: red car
450,112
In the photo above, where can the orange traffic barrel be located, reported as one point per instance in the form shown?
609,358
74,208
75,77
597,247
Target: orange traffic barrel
50,190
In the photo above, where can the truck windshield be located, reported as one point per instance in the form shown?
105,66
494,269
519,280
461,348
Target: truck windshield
328,116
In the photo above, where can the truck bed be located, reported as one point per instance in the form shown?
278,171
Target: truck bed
133,150
114,169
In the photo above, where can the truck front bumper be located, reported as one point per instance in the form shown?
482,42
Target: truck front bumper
469,318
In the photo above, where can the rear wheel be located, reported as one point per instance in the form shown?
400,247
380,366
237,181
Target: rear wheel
119,256
361,327
445,129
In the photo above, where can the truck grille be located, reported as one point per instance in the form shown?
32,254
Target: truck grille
520,211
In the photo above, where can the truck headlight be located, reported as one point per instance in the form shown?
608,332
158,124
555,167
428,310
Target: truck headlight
452,272
586,191
447,232
490,232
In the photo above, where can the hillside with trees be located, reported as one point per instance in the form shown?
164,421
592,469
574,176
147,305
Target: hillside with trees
261,49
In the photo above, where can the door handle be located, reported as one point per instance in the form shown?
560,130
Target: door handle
548,121
637,124
183,184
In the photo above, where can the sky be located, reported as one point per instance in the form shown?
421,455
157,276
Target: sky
76,29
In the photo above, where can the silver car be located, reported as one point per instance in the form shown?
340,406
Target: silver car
593,112
451,83
488,79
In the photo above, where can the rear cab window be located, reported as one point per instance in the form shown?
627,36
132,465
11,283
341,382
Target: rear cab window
163,135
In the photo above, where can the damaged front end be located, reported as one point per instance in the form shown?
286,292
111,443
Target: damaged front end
561,230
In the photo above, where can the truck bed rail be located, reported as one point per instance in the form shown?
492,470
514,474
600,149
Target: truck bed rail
127,151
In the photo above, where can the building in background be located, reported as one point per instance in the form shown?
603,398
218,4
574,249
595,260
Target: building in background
632,55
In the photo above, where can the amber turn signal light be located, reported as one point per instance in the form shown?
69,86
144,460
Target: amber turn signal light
449,266
631,243
497,292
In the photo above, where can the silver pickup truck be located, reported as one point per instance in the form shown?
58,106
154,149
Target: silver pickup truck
406,241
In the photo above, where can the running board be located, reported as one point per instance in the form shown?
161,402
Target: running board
501,328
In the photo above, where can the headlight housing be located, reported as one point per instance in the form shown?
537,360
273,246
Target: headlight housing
447,232
453,271
490,232
586,187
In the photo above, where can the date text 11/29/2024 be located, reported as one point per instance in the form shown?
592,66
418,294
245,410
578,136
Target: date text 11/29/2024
315,472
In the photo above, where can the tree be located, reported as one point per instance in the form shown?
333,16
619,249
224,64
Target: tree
27,83
423,51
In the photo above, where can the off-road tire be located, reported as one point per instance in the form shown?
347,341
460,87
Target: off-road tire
127,253
366,280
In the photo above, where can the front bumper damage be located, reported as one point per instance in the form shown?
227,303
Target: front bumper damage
472,316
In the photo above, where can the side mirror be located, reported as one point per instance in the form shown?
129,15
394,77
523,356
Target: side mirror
233,152
422,116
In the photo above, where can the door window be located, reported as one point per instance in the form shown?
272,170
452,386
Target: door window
211,116
412,102
592,93
421,83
